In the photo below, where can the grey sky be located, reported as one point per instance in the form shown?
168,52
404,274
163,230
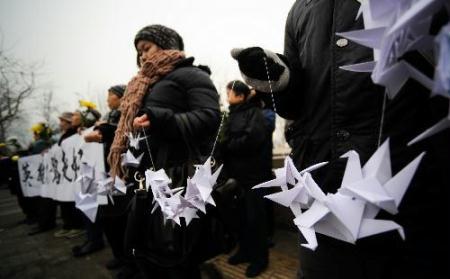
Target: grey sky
87,45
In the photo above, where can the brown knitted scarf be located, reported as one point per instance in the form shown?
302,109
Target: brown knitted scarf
157,66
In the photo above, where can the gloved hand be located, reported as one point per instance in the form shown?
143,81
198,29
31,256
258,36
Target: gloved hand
253,69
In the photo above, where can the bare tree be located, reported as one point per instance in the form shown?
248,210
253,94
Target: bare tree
47,107
17,83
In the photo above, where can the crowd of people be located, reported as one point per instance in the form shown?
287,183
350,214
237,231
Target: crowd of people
179,106
174,105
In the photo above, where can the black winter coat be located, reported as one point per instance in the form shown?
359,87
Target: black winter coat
334,111
183,109
246,135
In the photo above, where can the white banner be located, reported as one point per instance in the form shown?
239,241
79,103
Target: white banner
54,173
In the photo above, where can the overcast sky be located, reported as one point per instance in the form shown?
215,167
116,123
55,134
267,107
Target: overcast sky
86,46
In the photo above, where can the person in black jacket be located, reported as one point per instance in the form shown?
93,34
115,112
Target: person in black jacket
176,106
81,120
334,111
113,217
10,153
246,136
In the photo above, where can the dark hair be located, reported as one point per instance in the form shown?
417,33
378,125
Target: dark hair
239,88
118,90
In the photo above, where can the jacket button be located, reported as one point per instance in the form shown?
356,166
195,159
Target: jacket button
342,42
342,135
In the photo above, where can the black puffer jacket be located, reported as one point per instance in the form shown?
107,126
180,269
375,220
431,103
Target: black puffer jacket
246,135
183,108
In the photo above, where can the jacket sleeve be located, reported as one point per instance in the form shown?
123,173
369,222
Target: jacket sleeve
108,132
199,119
251,137
287,101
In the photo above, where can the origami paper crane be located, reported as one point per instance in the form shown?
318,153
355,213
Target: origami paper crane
442,73
128,159
204,180
158,182
111,187
87,203
189,214
298,196
441,81
349,214
393,28
134,141
193,196
86,178
171,201
163,197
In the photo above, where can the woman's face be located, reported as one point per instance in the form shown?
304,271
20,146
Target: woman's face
113,101
76,119
145,49
64,125
234,99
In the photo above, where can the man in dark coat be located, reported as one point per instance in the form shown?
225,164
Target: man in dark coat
334,111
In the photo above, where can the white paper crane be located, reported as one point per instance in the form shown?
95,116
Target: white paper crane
86,178
88,204
110,187
392,28
134,141
171,201
158,182
349,214
298,196
204,180
128,159
194,197
441,81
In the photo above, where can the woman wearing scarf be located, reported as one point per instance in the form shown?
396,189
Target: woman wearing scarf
176,105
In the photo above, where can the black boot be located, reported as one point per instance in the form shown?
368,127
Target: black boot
255,269
89,248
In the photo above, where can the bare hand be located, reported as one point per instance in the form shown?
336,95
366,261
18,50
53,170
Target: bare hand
141,122
94,136
100,122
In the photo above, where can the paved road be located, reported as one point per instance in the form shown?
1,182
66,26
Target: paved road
43,256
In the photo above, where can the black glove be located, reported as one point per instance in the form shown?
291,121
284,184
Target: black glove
254,71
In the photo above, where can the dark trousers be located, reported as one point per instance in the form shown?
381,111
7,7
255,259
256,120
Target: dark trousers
94,231
114,228
269,206
71,216
253,229
29,206
46,213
